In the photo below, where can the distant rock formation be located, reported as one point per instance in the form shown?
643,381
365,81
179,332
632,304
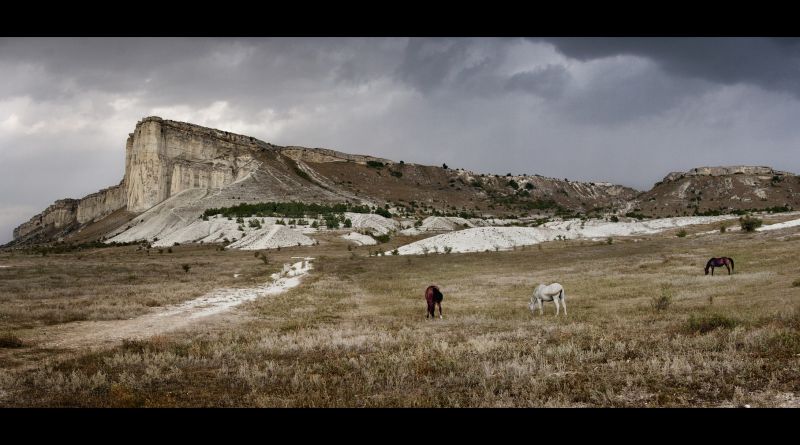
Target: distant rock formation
176,170
722,171
709,190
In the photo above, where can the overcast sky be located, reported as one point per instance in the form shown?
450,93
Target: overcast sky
623,110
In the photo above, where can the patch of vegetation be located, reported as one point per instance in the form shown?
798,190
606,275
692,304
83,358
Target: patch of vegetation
707,323
635,215
302,174
529,186
749,223
396,174
63,247
383,212
513,184
186,267
285,209
614,218
382,238
375,164
796,283
331,221
663,301
681,233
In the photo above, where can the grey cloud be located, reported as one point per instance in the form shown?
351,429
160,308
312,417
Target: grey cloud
773,64
548,82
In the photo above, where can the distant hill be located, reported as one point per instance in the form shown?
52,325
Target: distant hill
174,171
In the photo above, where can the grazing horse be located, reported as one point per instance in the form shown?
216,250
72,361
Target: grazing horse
433,296
719,262
543,292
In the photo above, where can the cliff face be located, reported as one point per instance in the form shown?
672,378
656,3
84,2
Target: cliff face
60,214
167,157
163,158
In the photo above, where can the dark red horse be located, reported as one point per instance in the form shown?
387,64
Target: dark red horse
433,296
719,262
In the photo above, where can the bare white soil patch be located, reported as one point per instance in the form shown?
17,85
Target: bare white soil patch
778,226
505,238
376,224
272,237
360,239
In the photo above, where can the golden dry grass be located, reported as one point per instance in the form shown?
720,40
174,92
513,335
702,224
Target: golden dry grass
354,333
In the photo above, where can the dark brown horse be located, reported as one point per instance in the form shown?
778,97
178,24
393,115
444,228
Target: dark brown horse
433,296
719,262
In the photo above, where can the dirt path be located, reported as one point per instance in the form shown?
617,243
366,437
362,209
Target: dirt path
92,334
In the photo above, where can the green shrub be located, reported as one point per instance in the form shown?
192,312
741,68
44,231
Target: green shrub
681,233
749,223
796,283
382,238
614,218
348,223
383,212
186,267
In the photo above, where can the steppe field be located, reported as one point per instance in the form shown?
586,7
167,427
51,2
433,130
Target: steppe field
645,327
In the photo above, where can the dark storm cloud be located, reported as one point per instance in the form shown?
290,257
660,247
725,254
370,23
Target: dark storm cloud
772,64
619,110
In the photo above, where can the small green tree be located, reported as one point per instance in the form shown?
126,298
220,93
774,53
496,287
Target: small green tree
348,223
682,233
186,267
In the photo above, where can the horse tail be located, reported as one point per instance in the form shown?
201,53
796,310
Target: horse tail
561,294
731,260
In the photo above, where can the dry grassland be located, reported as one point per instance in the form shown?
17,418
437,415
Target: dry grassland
645,327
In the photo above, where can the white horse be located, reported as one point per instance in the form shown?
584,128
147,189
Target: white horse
543,292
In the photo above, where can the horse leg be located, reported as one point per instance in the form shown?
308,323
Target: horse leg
555,300
728,267
541,308
440,310
712,271
564,302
